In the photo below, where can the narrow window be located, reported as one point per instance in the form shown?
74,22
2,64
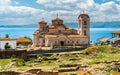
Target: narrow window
68,41
43,41
85,22
72,41
59,31
85,32
77,41
58,23
55,42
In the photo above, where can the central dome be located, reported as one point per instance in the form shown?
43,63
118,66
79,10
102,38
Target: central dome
42,22
57,19
82,15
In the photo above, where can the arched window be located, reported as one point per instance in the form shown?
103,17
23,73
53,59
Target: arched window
68,41
84,32
43,41
77,42
72,32
59,31
85,22
58,23
55,42
43,28
72,41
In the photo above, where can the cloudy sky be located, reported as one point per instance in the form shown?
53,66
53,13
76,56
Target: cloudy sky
31,11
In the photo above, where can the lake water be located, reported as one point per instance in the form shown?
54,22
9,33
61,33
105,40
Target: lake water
15,32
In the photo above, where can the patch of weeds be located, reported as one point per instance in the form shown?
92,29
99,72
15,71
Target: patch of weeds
20,62
92,62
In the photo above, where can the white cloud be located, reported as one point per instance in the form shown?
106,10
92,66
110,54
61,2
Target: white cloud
18,14
68,10
108,11
66,4
5,2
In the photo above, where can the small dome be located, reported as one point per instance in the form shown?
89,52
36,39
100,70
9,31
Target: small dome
82,15
66,27
42,22
57,19
51,27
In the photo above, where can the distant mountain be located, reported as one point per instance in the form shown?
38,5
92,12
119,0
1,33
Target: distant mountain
99,24
105,24
72,25
21,26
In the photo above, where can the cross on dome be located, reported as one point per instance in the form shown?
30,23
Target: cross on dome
42,19
57,15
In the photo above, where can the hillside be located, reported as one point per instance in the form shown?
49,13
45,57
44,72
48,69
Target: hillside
96,59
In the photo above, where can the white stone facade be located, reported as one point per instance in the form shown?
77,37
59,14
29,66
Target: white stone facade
59,34
12,43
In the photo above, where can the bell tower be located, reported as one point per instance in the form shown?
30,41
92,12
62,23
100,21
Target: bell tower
42,25
84,24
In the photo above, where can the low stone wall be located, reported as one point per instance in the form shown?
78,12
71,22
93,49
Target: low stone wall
54,50
47,73
29,72
68,69
10,53
40,72
9,73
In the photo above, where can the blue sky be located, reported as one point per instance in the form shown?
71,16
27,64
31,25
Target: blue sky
13,12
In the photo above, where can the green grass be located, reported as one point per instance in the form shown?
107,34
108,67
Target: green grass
3,63
90,56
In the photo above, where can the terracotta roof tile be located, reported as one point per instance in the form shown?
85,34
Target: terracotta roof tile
116,32
77,36
51,36
23,40
57,19
7,39
82,15
51,27
43,22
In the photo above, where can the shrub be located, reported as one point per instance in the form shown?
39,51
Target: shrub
7,46
90,50
6,35
20,62
73,74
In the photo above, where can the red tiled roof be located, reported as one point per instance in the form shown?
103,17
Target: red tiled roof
57,19
82,15
43,22
116,32
7,39
51,27
51,36
23,40
77,36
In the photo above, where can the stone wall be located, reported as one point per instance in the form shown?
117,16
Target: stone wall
9,73
40,72
9,54
47,73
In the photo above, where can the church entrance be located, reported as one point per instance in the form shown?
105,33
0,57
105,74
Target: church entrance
62,43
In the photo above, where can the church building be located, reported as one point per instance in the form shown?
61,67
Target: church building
58,34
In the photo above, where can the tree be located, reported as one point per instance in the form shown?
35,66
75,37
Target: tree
6,35
27,37
7,46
